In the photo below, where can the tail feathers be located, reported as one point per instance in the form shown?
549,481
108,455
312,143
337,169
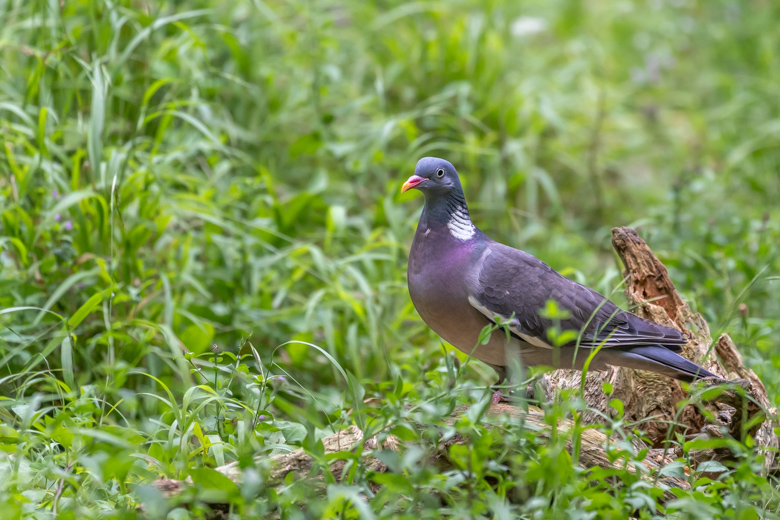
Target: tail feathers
663,361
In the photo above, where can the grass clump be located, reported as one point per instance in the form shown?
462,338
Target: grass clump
178,175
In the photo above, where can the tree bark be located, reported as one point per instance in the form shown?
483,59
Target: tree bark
652,295
646,396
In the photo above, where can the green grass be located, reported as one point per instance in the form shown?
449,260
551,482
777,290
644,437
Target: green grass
177,175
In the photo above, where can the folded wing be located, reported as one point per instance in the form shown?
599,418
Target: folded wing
514,286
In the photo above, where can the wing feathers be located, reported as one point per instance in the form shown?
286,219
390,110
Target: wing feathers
513,324
515,286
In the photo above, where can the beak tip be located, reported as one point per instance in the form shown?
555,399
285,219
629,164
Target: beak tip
412,182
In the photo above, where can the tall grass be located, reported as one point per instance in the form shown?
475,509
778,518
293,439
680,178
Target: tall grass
179,175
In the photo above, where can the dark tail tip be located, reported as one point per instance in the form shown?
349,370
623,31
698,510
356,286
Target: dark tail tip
674,364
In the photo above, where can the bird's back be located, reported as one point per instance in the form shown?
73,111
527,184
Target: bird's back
516,282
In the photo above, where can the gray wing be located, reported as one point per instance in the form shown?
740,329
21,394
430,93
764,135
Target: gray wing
515,286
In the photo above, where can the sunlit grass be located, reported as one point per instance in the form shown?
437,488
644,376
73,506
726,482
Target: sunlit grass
178,176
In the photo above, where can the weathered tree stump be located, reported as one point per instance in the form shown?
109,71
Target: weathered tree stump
645,396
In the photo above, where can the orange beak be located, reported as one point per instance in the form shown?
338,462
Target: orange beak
412,182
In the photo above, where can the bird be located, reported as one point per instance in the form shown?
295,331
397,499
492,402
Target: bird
460,281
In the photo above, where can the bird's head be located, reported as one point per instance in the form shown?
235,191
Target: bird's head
435,178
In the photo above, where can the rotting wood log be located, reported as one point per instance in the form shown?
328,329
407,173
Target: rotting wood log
652,295
592,452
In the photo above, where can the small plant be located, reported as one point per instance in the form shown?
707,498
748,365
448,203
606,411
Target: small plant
180,175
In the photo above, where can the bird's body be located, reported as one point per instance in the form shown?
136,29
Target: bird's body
440,292
460,280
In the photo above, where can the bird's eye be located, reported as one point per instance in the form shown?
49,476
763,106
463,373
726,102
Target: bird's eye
440,173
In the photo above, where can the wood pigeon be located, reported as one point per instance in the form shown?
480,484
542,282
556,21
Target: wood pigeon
460,280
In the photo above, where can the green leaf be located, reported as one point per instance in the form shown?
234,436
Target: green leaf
478,409
617,404
19,247
9,436
210,479
305,145
293,432
673,469
217,448
63,288
158,23
711,466
97,117
393,482
42,131
337,218
85,310
198,338
484,334
357,392
405,433
66,353
63,435
152,90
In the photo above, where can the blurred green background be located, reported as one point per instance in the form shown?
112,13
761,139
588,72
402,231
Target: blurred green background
177,175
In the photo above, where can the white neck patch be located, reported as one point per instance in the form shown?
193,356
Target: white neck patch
460,224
